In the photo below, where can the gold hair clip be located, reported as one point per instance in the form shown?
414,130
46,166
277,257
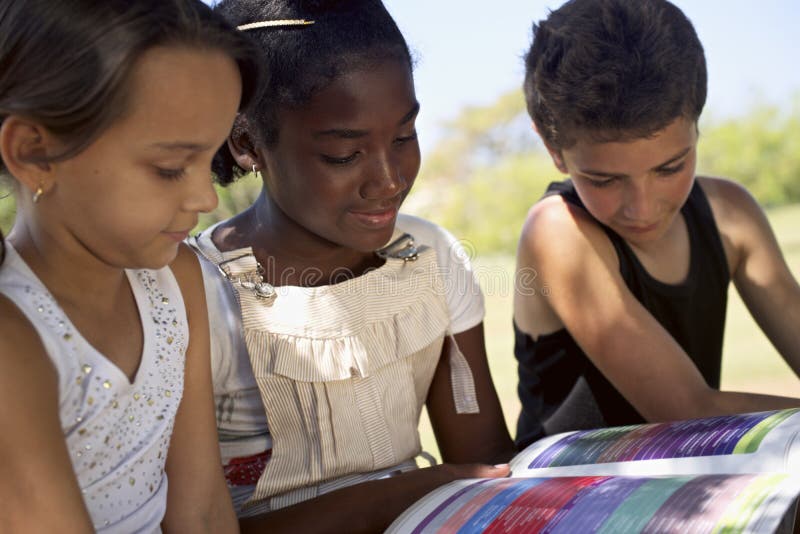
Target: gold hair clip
273,23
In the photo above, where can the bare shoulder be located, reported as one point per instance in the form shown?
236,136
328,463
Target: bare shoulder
187,271
741,222
555,230
186,266
561,246
24,360
729,200
17,334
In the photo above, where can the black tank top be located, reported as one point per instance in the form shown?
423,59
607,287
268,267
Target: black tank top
559,387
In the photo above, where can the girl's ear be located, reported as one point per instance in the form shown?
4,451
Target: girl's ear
25,146
242,147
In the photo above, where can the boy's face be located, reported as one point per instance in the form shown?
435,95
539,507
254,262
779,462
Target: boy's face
635,187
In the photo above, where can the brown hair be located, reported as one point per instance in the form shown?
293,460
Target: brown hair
612,70
66,64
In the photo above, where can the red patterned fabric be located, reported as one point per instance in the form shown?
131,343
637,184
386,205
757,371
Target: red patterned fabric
247,470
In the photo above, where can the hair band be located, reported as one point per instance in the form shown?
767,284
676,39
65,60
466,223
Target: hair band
273,23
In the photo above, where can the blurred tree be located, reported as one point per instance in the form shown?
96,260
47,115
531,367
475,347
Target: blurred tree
232,199
483,176
761,150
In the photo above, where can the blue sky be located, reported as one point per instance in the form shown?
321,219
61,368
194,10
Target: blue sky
470,51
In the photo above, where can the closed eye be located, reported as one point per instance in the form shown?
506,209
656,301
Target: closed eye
333,160
666,171
601,183
170,174
405,139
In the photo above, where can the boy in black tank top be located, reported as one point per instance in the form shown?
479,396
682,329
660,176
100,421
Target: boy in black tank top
623,271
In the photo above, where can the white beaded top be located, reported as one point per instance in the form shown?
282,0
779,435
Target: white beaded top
117,432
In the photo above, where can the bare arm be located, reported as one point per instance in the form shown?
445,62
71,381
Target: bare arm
759,271
197,499
464,438
366,507
38,488
633,351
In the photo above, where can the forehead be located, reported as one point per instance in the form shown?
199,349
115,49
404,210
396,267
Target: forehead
381,91
176,92
656,148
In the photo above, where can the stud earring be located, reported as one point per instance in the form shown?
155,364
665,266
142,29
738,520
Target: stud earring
37,194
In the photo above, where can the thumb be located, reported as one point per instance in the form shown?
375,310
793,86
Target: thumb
495,471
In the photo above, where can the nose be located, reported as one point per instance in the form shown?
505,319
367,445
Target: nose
386,180
639,204
200,195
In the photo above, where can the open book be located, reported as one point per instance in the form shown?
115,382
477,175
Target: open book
737,473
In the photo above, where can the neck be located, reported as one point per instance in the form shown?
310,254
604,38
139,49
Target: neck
289,253
72,274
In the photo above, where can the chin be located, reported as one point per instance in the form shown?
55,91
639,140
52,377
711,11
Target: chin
163,260
379,241
366,242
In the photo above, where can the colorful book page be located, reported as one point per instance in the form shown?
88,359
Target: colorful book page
698,504
715,436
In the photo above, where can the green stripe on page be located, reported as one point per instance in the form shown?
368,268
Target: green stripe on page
753,438
744,506
639,508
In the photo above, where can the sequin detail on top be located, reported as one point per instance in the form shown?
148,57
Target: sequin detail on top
117,432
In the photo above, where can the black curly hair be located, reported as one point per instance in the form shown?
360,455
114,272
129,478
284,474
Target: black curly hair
301,60
612,70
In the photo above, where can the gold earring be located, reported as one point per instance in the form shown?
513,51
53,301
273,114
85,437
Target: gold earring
38,194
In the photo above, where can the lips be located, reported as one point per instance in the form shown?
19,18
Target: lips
376,218
177,236
641,229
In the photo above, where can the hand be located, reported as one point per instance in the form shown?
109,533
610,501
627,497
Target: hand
379,502
451,472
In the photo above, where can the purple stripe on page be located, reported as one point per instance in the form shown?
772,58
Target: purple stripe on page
591,509
699,437
444,504
547,456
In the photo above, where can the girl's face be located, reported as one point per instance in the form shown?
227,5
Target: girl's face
345,161
135,193
636,187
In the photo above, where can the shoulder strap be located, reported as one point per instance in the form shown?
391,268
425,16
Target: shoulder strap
224,294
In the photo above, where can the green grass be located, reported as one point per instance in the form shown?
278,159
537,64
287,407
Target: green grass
750,363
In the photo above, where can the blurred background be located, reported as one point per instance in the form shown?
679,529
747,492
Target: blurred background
483,166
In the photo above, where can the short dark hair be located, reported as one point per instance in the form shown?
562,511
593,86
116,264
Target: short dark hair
612,70
302,60
66,64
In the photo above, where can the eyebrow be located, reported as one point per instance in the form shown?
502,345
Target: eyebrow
347,133
602,174
180,145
